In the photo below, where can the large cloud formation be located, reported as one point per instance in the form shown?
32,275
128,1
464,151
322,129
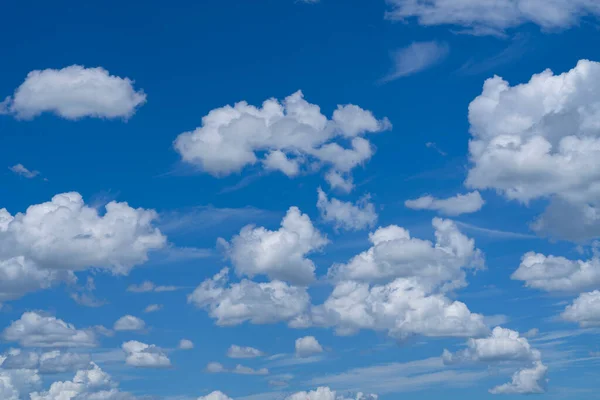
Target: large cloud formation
288,136
74,92
541,139
49,241
480,17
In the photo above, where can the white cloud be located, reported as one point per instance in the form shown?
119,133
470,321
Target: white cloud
558,274
293,134
526,381
20,169
51,362
585,310
148,286
36,330
218,368
396,254
215,368
216,395
186,344
74,92
345,215
541,139
325,393
401,308
493,17
453,206
153,308
145,356
278,254
65,234
259,303
502,345
307,346
236,351
129,323
416,57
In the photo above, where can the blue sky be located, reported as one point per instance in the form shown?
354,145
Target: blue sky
403,194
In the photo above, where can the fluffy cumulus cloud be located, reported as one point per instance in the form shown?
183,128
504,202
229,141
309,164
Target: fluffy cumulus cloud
585,310
395,254
74,92
541,139
129,323
401,308
186,344
45,244
558,274
493,17
90,383
307,346
236,351
216,395
145,355
36,330
345,215
259,303
50,362
502,345
291,136
526,381
280,254
452,206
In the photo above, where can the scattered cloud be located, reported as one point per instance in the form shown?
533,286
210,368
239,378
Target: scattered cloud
20,169
143,355
186,344
417,57
307,346
74,92
453,206
236,351
129,323
148,286
345,215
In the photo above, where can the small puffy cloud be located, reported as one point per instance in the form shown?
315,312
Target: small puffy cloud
259,303
20,169
36,330
280,254
236,351
307,346
51,362
396,254
540,139
417,57
143,355
216,395
345,215
186,344
526,381
66,234
129,323
401,308
74,92
293,134
153,308
585,310
243,370
148,286
502,345
493,17
453,206
325,393
215,368
558,274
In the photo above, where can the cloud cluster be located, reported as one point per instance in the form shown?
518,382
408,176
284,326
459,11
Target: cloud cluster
46,243
50,362
145,355
259,303
525,381
37,330
291,136
345,215
541,139
74,92
493,17
280,254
